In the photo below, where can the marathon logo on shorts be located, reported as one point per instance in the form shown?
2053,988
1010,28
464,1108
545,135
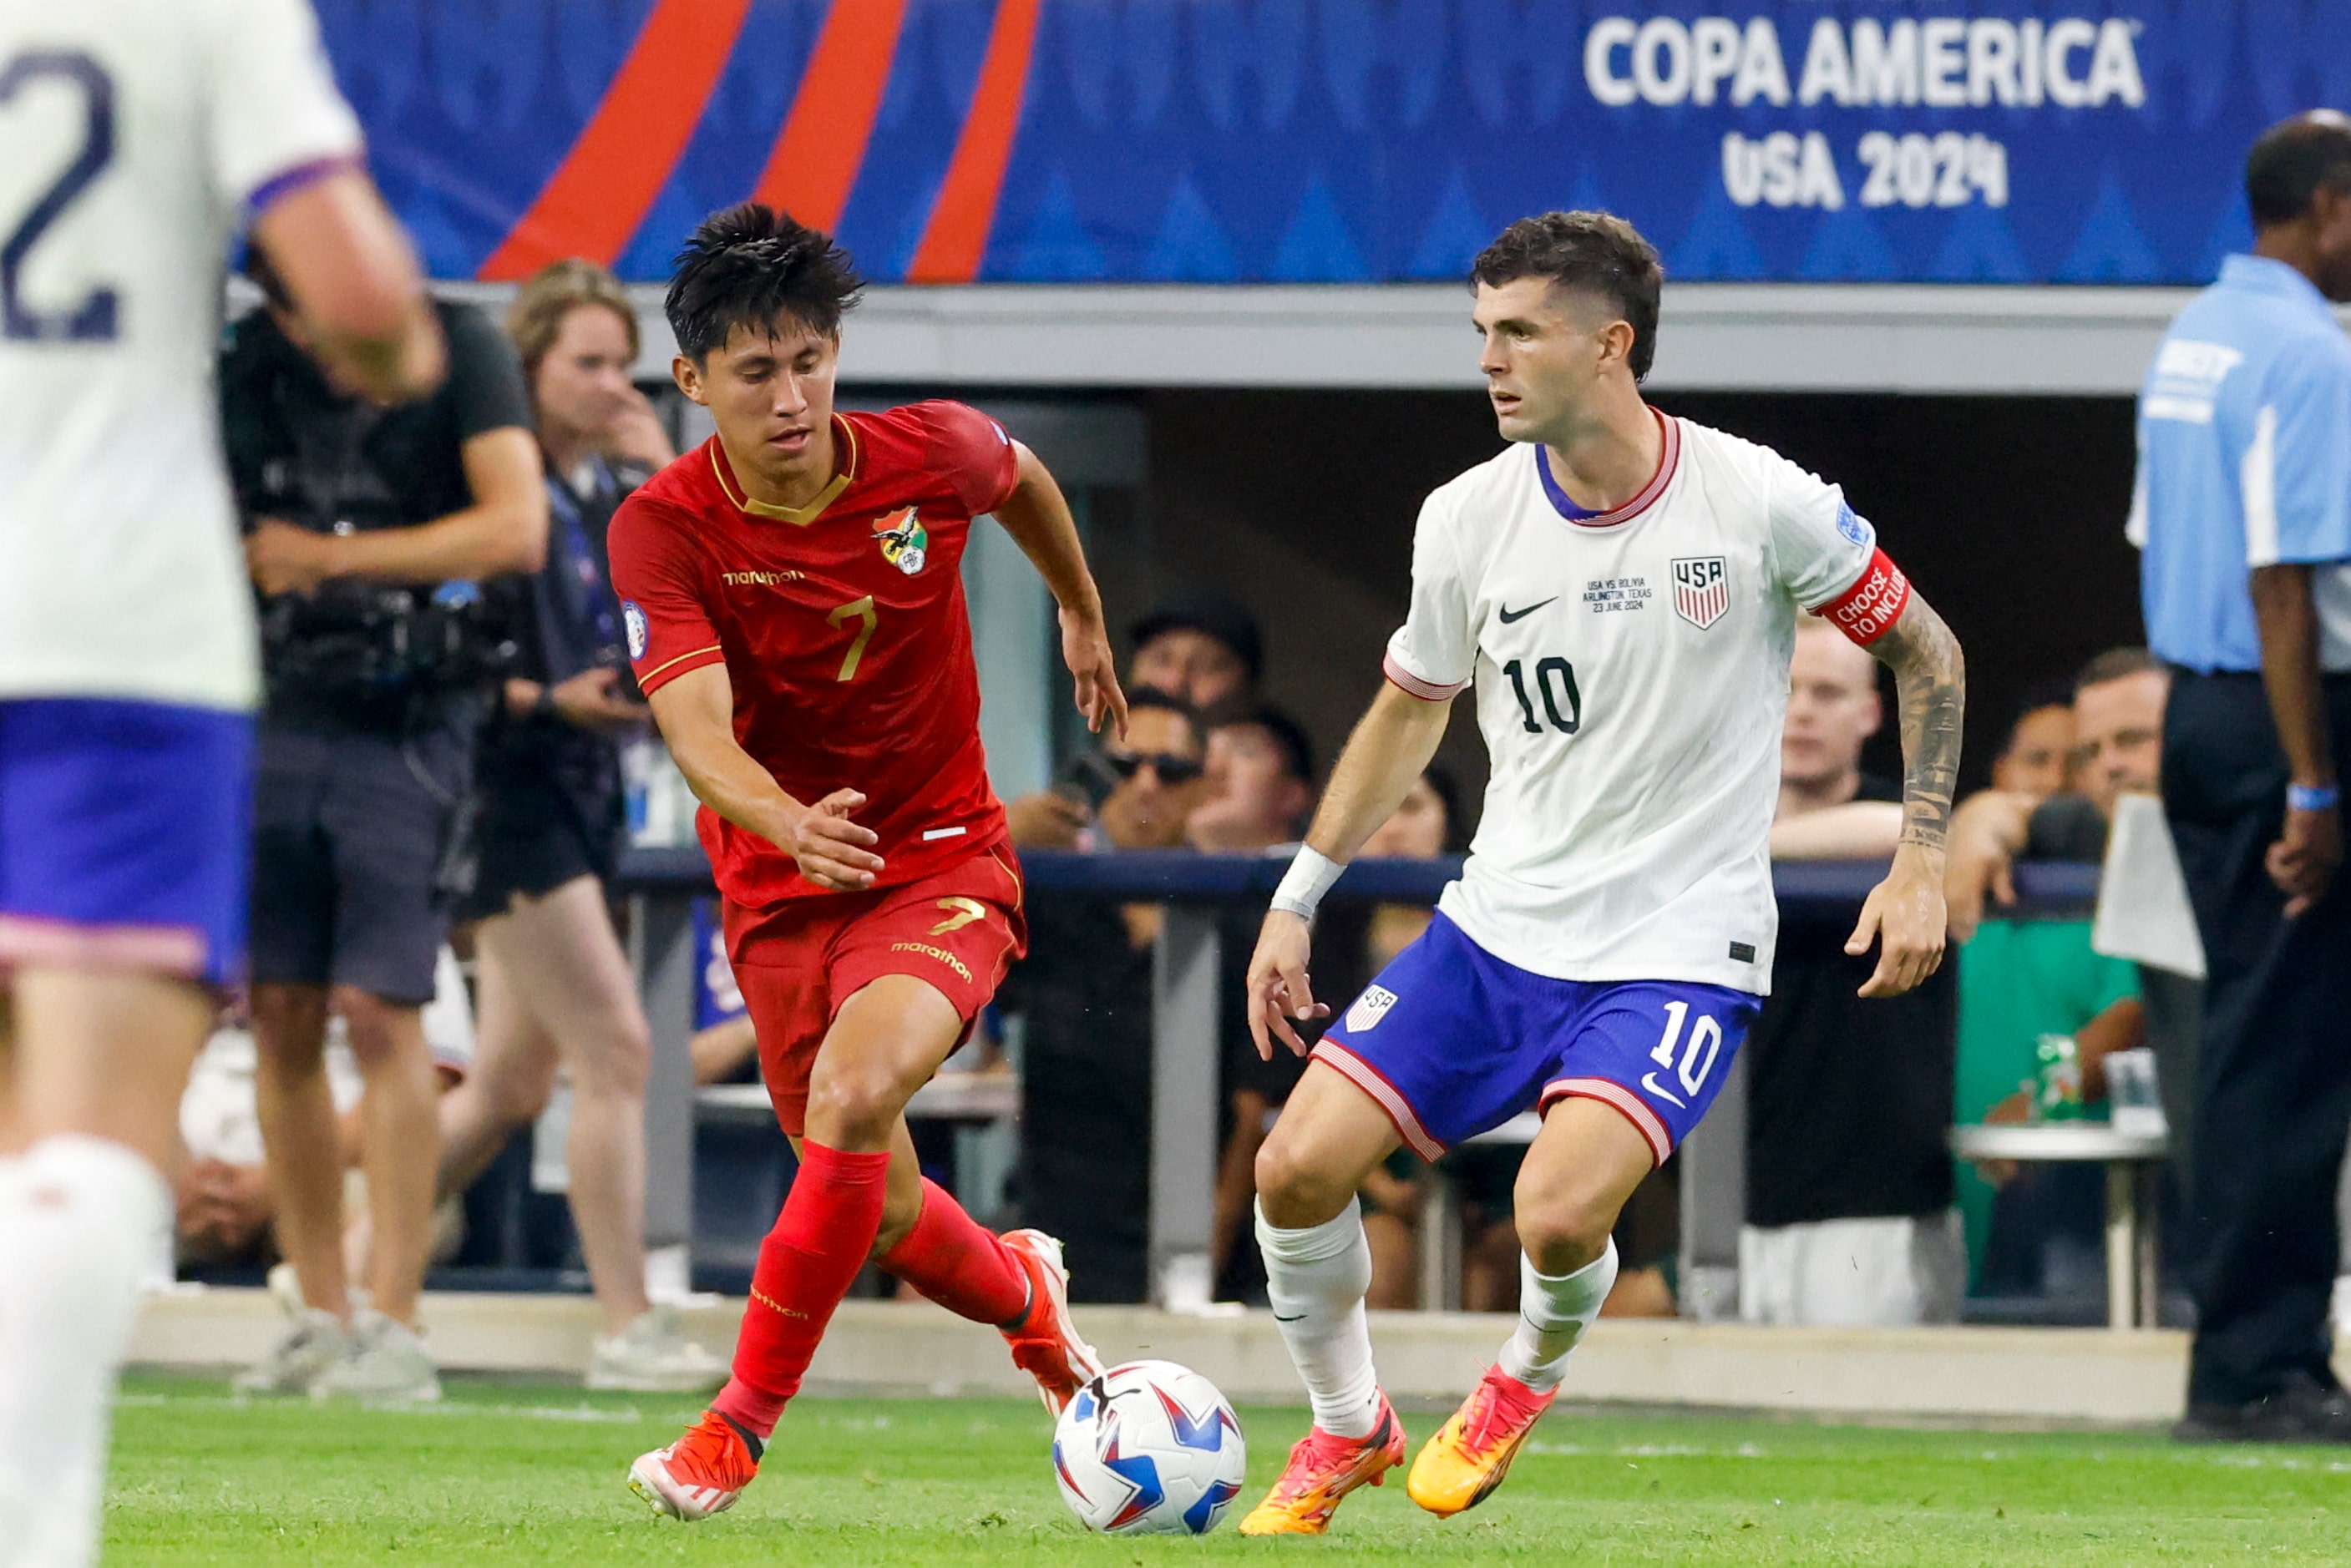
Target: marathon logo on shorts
1370,1008
632,620
941,954
1701,589
1868,610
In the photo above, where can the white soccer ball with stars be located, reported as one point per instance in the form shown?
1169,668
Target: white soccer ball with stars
1149,1448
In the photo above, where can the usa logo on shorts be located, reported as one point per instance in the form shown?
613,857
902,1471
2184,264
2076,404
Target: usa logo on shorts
1370,1008
1701,589
632,620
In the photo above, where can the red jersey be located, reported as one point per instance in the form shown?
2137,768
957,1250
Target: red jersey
843,628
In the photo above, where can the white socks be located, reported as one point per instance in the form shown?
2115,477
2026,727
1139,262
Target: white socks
1553,1313
1315,1279
79,1217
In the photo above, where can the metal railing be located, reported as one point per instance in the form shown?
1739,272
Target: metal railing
663,885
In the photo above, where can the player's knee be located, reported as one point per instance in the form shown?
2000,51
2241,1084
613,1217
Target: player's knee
1564,1224
1293,1188
854,1108
620,1062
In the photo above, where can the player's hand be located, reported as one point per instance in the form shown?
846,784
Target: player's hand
1085,648
593,700
1987,831
635,433
1906,915
285,559
833,852
2303,860
1278,990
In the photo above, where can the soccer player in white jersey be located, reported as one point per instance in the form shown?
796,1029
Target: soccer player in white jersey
134,135
1621,586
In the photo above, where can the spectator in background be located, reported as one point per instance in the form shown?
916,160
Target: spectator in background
1260,781
366,763
2037,758
1849,1189
1202,649
2020,979
1084,991
556,988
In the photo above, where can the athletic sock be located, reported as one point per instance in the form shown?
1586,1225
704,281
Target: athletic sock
79,1218
806,1266
960,1264
1314,1280
1554,1311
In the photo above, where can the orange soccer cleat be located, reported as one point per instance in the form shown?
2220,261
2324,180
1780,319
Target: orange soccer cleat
1322,1470
700,1474
1045,1343
1472,1452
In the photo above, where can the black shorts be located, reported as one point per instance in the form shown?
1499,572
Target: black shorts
353,844
530,854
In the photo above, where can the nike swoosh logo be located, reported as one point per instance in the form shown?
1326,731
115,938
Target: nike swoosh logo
1279,1318
1649,1081
1509,615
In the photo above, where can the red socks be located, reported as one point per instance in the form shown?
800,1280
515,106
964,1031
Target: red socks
806,1266
959,1263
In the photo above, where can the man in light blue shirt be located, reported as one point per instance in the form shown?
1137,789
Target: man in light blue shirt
2243,508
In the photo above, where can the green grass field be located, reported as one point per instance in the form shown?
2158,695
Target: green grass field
533,1472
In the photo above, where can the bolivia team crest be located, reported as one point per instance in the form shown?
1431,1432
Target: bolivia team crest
906,544
1701,589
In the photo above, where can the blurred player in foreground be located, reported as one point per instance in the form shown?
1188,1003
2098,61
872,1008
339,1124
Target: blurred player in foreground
1622,588
793,606
127,665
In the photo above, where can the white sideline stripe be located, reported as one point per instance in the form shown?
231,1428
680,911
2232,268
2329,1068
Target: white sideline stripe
584,1414
1636,1111
1365,1078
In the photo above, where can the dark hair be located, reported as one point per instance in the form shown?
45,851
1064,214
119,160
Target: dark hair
1595,251
1148,697
2116,664
2292,160
1288,736
1440,780
2039,695
265,277
749,264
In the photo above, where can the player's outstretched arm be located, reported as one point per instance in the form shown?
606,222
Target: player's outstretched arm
1038,517
355,280
697,715
1389,751
1905,912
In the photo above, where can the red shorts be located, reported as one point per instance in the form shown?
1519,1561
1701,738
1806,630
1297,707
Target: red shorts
795,962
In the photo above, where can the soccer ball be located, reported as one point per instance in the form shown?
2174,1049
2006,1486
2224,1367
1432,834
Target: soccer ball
1149,1448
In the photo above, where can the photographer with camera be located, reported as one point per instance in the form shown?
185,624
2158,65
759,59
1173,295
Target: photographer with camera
366,527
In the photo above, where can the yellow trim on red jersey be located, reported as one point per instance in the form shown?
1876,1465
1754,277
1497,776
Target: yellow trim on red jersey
681,659
800,516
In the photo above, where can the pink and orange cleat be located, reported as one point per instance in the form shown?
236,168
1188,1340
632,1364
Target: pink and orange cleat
1045,1343
1472,1452
1322,1470
700,1474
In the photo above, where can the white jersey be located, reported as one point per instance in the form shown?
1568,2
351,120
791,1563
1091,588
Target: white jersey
132,133
1632,678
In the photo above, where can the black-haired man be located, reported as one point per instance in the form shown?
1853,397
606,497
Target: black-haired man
793,609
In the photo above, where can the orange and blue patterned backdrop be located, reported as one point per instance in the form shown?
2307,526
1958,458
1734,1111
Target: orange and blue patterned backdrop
1338,140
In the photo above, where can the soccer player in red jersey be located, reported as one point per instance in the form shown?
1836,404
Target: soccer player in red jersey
794,610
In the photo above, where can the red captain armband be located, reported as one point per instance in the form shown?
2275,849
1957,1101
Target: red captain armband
1868,610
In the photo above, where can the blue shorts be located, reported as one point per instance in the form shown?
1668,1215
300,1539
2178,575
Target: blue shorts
123,835
1450,1040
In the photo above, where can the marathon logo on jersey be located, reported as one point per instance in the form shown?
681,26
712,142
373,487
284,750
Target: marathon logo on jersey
1369,1009
906,544
632,620
1701,589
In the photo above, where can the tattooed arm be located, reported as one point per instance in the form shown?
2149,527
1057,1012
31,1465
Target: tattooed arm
1904,913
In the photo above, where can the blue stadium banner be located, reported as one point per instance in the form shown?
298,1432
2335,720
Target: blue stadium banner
1339,140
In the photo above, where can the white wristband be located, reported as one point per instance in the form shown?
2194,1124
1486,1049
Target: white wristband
1302,886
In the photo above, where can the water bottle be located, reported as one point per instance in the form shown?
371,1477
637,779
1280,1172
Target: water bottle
2055,1086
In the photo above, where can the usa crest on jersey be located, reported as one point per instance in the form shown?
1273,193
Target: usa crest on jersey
1701,589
